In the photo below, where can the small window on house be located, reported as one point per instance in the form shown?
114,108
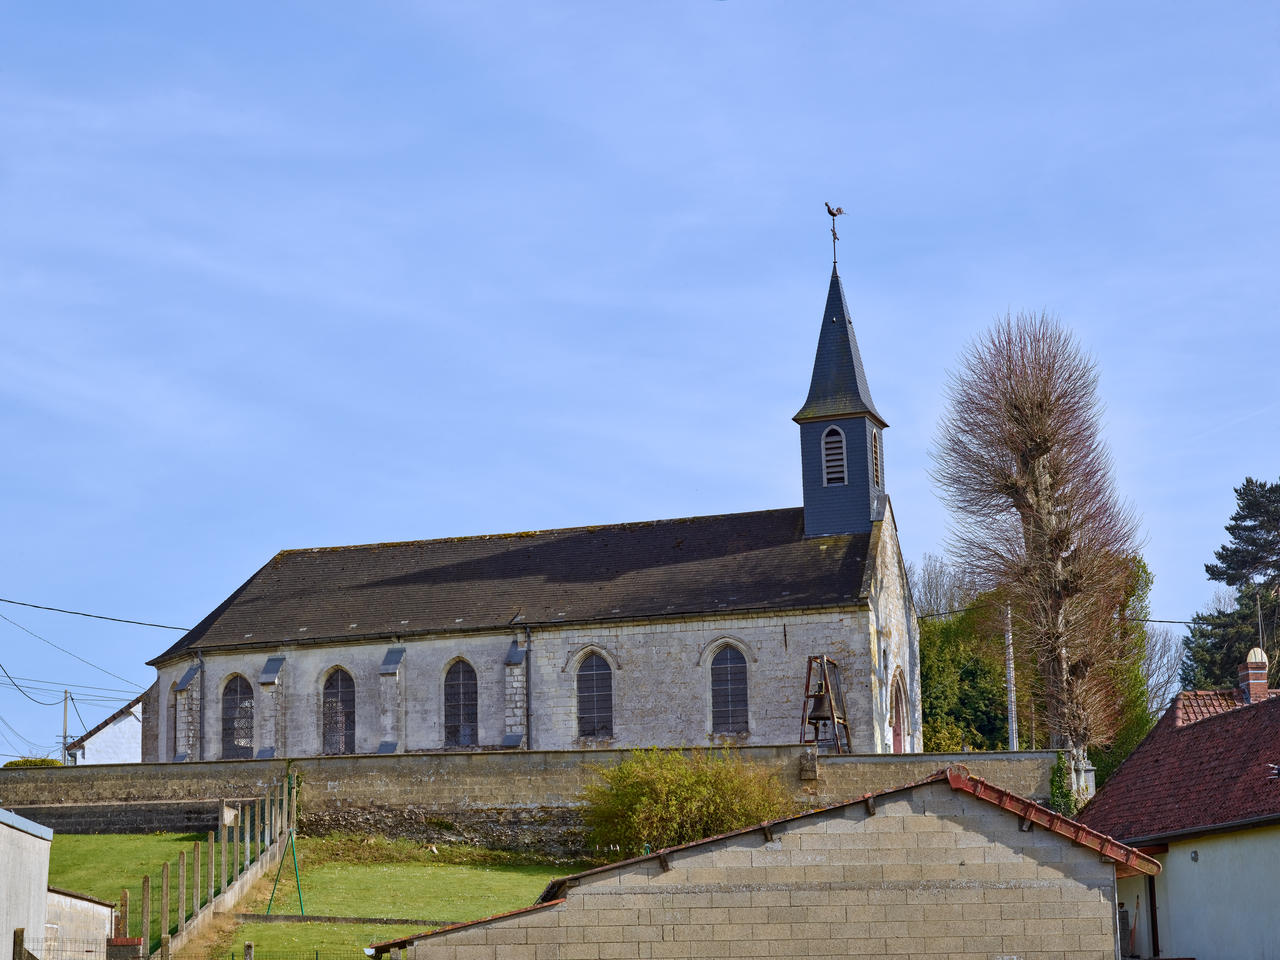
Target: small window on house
595,698
728,691
338,713
460,705
833,457
237,719
875,458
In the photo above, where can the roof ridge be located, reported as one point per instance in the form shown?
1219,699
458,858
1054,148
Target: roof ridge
516,534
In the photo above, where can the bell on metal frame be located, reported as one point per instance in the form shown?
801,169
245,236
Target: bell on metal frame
820,712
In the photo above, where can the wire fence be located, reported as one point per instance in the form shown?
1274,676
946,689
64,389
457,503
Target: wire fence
65,948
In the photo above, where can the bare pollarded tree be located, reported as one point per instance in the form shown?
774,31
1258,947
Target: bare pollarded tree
1021,464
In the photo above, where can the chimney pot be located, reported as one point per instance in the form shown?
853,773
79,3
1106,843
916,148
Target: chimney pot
1253,676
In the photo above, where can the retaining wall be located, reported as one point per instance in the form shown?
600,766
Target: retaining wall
509,799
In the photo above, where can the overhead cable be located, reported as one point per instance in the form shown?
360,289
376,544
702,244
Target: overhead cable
67,652
94,616
27,695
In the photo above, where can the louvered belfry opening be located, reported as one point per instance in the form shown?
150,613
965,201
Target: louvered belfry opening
728,691
338,713
595,698
237,719
833,456
460,705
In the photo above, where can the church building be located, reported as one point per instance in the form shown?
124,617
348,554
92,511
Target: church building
685,632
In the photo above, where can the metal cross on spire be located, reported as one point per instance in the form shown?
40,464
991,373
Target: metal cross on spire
833,213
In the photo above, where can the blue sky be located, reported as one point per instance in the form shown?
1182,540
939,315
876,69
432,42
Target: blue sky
297,274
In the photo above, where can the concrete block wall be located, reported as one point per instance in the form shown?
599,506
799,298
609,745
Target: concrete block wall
931,873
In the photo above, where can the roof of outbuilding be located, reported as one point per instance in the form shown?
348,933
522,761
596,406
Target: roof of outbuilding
1194,773
727,563
838,387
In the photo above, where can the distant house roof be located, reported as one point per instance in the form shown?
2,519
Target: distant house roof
727,563
79,741
1204,767
957,777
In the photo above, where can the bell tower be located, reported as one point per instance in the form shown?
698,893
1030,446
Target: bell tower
841,432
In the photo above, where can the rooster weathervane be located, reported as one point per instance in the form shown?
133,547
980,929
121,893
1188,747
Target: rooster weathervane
833,213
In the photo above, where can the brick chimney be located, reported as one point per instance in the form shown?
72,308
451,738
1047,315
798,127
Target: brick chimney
1253,676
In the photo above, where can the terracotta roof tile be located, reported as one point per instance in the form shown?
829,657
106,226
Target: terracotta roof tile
1196,770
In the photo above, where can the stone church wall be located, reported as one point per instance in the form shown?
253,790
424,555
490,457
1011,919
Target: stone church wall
661,685
512,798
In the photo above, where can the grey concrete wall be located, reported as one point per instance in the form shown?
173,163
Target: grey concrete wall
24,879
932,873
133,816
71,918
511,798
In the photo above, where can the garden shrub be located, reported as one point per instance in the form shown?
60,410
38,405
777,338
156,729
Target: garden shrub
662,798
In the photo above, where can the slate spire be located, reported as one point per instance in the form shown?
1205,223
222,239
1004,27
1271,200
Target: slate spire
841,431
839,384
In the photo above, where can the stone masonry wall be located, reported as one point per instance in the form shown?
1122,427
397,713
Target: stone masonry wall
511,798
930,873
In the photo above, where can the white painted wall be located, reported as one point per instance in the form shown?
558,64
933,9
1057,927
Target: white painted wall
24,879
1222,905
118,742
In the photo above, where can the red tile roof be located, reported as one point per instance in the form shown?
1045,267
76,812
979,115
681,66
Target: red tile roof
1197,770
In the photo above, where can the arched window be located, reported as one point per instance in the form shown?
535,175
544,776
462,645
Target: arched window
729,691
460,705
898,715
173,721
876,468
237,719
833,457
595,698
338,713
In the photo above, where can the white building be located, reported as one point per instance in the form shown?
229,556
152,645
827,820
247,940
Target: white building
117,739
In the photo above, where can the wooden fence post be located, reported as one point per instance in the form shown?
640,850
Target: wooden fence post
212,888
196,875
124,912
222,850
235,843
164,946
19,942
164,903
182,889
144,921
248,950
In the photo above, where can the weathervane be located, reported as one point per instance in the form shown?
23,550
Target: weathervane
837,212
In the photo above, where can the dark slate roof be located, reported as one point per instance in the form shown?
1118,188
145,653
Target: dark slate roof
1191,776
839,385
727,563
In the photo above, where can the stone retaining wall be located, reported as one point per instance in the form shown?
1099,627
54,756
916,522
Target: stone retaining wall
507,799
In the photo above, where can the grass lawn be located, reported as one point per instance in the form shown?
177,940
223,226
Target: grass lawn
341,876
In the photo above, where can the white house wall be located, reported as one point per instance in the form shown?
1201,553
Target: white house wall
24,879
118,742
1224,903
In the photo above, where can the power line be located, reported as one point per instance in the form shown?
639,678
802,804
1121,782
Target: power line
67,652
42,703
984,606
59,684
95,616
14,730
84,726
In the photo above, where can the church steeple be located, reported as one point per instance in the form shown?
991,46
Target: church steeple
841,442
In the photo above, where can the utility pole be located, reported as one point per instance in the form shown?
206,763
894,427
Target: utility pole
66,695
1008,677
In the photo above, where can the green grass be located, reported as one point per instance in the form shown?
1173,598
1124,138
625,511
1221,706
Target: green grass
101,864
300,941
